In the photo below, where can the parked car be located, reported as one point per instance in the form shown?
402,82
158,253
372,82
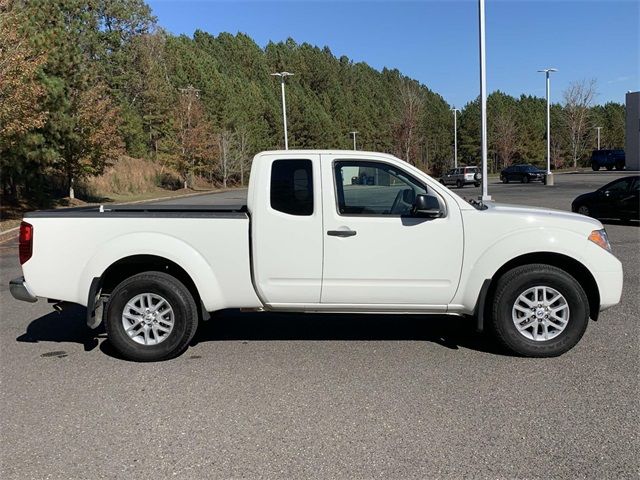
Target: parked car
462,176
607,159
618,199
309,241
523,174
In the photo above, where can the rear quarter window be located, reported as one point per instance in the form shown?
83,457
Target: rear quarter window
292,187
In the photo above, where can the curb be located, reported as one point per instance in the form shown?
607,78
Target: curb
186,195
10,234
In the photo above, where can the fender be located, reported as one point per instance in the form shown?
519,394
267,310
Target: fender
161,245
483,265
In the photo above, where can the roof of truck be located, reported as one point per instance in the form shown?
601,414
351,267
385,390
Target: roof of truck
324,152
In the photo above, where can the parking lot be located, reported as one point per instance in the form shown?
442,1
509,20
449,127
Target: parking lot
325,396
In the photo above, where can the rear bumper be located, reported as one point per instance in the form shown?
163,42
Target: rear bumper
20,291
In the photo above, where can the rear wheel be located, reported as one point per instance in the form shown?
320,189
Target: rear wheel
595,167
459,183
539,311
619,165
505,179
151,316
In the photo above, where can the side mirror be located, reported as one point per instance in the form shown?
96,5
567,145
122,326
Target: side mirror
426,205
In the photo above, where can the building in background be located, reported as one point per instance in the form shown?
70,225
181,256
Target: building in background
632,134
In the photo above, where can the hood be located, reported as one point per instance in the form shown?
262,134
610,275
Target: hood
533,215
585,196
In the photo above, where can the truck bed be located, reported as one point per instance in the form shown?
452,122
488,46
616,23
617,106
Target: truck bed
72,246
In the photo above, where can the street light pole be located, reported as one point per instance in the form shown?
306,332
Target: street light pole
455,136
354,139
282,76
598,129
547,72
483,102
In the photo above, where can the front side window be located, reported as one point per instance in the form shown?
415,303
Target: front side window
618,186
292,187
372,188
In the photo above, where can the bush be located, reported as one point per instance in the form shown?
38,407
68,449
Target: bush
169,181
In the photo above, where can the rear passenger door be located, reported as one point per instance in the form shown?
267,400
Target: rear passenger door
287,229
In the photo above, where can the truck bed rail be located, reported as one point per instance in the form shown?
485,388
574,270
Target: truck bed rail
153,211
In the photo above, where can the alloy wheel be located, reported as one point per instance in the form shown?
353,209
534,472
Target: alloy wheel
540,313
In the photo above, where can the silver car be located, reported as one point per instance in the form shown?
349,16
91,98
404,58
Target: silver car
462,176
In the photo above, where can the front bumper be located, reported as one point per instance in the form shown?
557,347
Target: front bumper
20,291
610,286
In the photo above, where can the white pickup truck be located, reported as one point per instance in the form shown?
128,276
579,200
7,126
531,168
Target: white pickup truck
323,231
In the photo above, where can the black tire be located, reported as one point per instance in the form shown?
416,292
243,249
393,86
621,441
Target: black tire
609,167
505,179
525,179
620,166
518,280
595,167
179,299
459,183
477,184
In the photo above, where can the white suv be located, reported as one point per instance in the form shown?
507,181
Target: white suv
462,176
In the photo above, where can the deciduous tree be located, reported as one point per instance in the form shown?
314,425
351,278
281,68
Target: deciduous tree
578,98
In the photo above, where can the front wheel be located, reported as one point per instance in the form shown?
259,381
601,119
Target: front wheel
595,167
584,210
459,183
539,311
151,316
525,179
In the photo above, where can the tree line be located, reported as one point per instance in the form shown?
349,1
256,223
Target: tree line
84,82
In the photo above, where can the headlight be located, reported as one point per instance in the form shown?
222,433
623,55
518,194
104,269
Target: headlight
599,237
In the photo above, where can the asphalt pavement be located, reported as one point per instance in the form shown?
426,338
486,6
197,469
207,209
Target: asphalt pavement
324,396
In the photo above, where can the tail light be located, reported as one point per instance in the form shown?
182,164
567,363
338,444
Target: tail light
26,242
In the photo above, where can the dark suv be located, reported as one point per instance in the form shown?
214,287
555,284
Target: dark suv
607,159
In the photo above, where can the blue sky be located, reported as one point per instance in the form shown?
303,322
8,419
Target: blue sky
436,42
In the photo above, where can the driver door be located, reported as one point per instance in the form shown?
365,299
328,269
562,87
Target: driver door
613,197
375,252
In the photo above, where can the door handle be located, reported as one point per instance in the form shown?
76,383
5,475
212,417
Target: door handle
341,233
